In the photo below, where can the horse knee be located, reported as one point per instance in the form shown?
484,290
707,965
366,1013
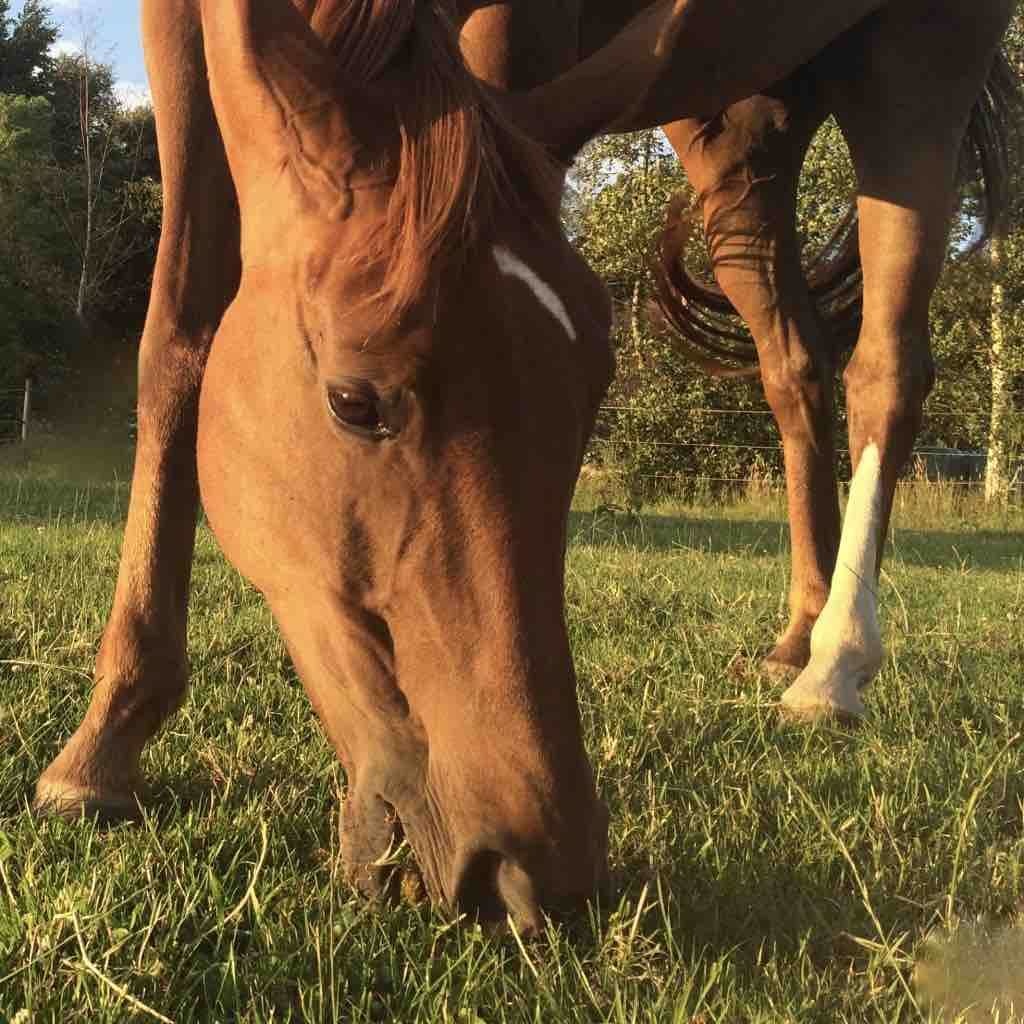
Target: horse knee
886,386
798,389
170,373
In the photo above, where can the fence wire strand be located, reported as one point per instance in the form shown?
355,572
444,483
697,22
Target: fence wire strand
918,463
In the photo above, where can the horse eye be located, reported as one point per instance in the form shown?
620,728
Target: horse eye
355,407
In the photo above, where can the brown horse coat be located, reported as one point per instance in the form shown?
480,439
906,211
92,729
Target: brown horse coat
372,350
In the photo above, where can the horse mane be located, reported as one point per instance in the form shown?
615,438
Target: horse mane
459,161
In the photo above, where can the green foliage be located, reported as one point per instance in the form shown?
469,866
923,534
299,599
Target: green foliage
75,75
827,186
33,264
79,203
962,313
620,188
26,66
107,197
662,431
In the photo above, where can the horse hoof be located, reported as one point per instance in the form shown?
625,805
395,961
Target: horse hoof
815,709
745,669
814,715
788,658
71,803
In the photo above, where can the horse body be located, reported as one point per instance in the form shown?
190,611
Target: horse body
366,322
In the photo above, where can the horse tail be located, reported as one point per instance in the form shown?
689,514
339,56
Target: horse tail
835,282
993,143
698,311
706,320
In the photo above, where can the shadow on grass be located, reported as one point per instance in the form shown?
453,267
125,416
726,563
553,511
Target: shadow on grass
648,531
173,802
46,501
940,549
768,905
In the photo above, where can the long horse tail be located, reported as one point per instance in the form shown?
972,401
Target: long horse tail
697,310
706,320
993,144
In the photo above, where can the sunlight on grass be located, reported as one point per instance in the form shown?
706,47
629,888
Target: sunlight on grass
762,873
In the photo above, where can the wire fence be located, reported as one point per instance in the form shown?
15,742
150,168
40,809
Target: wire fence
619,450
614,452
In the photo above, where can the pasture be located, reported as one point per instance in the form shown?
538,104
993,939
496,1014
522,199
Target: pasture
762,872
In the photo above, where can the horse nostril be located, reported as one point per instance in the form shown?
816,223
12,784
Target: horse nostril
476,890
520,896
491,887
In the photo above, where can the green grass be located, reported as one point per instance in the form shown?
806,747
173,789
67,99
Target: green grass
763,872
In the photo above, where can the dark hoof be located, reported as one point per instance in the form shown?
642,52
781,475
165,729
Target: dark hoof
71,806
743,669
789,657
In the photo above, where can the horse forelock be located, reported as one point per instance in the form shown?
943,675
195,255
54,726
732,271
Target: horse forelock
458,161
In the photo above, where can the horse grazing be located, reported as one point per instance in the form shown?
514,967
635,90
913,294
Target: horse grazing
373,352
912,84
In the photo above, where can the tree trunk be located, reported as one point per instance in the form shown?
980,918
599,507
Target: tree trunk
635,332
84,127
997,469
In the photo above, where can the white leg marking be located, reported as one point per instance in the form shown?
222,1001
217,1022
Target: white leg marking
512,266
846,644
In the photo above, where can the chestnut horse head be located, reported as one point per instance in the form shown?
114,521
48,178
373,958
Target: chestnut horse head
392,420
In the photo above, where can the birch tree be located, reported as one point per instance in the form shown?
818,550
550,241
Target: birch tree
1006,341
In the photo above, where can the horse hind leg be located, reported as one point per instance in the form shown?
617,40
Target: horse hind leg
747,174
904,106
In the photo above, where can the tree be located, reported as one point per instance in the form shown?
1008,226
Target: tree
1007,270
107,192
79,200
658,427
33,270
25,63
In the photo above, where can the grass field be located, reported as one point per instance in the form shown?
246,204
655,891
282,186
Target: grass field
763,872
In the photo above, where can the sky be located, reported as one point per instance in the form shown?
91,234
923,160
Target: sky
114,25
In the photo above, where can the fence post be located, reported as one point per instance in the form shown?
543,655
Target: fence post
26,408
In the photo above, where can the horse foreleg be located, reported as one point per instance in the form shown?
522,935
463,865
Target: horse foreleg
903,95
141,668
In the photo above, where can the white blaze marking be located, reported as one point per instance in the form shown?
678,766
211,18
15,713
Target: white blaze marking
512,266
846,644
